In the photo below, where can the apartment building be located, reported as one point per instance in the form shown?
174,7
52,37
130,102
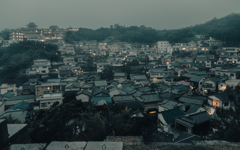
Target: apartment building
163,45
8,88
52,85
45,101
32,33
40,66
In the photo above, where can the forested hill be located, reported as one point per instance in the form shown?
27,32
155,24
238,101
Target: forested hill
226,29
21,55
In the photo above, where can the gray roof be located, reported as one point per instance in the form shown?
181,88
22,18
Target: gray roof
122,98
120,74
137,93
222,96
214,79
153,97
21,97
168,104
191,100
184,137
144,89
195,78
100,83
162,86
101,90
31,146
192,108
102,145
194,119
170,115
57,145
138,77
74,84
188,75
14,128
84,92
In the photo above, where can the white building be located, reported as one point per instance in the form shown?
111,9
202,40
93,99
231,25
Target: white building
162,45
40,66
69,60
45,101
200,36
230,73
7,43
219,100
101,66
69,49
11,88
157,74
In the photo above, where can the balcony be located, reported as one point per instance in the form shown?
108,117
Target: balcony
208,86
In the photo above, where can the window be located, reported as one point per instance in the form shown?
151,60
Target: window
43,104
225,104
215,103
56,87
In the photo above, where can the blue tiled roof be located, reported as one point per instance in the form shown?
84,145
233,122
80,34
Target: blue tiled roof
170,115
21,105
128,89
96,99
200,73
8,95
53,80
156,70
183,87
101,90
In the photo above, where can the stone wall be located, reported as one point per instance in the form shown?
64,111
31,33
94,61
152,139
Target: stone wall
127,140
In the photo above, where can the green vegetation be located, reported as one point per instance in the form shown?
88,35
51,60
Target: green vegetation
107,74
11,120
74,121
225,29
229,120
87,34
5,34
21,55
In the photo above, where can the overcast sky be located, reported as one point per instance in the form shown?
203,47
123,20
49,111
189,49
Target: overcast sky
159,14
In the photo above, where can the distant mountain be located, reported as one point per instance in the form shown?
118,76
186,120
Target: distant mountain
226,29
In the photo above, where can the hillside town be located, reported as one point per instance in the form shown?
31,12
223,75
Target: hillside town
179,85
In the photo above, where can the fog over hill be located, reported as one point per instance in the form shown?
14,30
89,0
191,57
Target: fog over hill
226,29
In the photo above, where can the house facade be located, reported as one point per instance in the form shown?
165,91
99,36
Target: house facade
45,101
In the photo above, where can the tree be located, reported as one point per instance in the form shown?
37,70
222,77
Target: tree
69,96
228,122
74,121
11,120
21,55
5,34
107,74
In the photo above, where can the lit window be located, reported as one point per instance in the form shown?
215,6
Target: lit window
152,112
216,103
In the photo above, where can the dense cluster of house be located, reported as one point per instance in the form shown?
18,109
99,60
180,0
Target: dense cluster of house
182,84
